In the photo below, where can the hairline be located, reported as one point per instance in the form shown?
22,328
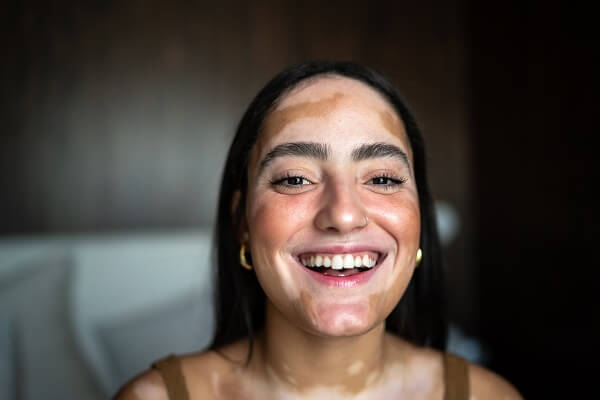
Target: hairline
304,83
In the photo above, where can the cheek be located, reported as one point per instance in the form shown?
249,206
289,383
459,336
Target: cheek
398,215
273,218
396,286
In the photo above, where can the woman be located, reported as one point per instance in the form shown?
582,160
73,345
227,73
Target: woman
329,281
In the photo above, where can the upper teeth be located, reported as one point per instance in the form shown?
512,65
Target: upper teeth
339,261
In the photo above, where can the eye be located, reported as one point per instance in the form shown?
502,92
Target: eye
291,182
385,182
294,181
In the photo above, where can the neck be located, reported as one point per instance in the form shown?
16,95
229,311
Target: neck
299,360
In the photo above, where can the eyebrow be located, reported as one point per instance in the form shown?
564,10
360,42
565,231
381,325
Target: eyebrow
379,150
314,150
321,151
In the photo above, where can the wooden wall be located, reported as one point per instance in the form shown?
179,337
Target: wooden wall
118,115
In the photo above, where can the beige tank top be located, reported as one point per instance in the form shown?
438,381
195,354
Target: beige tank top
456,376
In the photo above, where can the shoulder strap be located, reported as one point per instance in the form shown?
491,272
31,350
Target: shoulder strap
456,374
170,370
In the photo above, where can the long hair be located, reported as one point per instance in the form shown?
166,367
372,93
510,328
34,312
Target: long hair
418,317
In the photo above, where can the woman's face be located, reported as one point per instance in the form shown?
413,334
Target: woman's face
332,212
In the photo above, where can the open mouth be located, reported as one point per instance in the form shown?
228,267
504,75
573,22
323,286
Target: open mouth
340,264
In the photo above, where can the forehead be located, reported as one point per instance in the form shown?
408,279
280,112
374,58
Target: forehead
324,96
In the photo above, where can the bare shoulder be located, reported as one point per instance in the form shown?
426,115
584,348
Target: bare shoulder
146,386
199,371
423,361
486,384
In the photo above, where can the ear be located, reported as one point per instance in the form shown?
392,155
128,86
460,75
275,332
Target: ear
239,217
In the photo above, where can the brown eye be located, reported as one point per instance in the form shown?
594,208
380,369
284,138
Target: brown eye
381,180
292,182
387,181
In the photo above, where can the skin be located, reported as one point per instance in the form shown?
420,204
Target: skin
324,342
331,210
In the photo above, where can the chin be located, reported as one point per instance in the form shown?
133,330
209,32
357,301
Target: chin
343,320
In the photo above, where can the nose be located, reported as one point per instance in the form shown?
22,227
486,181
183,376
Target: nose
342,210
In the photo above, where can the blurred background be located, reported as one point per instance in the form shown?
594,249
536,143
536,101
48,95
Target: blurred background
116,119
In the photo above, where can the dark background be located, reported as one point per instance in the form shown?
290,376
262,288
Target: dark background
533,132
116,116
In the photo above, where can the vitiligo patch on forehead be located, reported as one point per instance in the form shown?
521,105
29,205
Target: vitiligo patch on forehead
278,119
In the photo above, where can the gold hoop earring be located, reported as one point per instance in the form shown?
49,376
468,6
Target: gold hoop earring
243,260
419,257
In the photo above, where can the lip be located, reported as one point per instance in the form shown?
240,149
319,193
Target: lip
351,281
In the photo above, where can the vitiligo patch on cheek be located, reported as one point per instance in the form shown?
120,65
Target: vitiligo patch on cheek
400,273
395,274
288,282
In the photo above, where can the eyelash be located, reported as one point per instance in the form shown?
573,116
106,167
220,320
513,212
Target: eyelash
392,182
282,181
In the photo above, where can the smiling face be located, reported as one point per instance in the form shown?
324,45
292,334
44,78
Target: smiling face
332,208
